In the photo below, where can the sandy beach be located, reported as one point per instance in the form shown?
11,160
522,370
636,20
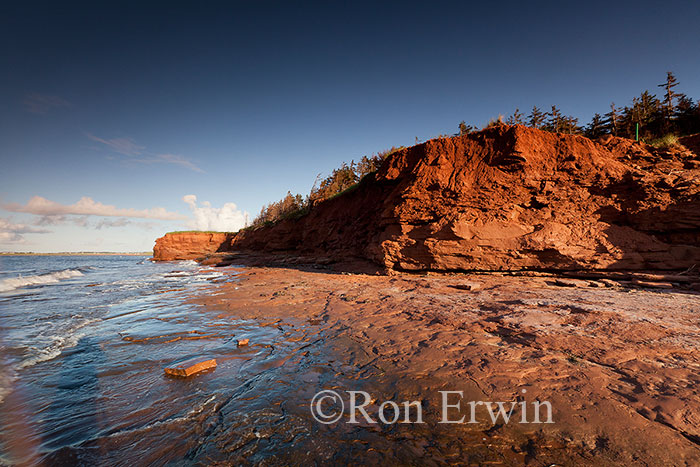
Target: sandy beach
619,365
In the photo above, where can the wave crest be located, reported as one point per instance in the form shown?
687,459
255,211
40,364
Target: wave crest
13,283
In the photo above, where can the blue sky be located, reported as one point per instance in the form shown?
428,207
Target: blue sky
136,107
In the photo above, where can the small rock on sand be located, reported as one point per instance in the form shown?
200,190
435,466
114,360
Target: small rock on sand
653,285
569,283
190,367
242,342
467,286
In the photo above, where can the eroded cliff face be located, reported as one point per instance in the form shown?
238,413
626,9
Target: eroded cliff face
509,198
518,198
189,245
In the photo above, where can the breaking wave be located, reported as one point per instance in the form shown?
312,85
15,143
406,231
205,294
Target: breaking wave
13,283
58,344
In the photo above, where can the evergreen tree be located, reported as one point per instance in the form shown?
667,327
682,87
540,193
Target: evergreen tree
596,128
629,118
650,114
649,106
516,118
669,96
537,118
612,120
569,124
687,115
464,129
498,121
555,120
646,114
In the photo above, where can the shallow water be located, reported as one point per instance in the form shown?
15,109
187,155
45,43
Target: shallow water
84,340
84,343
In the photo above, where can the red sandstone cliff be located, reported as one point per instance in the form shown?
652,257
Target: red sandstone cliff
508,198
189,245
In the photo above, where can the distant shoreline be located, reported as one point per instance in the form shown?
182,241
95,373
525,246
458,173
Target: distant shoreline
78,253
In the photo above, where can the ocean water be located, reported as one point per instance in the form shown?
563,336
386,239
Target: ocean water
83,343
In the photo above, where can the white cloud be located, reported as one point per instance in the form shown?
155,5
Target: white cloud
227,218
125,146
129,147
122,222
88,207
41,104
51,220
170,159
80,221
12,233
11,237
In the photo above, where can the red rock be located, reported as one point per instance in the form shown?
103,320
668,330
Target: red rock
653,285
570,283
189,245
190,367
474,286
502,199
242,342
692,143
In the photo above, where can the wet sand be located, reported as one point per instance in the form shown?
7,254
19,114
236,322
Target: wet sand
619,366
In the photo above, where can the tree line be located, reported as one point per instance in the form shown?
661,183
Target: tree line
340,180
674,113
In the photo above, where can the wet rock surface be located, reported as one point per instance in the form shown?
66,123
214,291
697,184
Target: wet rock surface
190,366
619,366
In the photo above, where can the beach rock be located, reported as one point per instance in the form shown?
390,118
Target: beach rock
242,342
467,286
569,283
190,367
653,285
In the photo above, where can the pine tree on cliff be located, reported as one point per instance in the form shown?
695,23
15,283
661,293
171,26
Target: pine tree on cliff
516,118
612,120
596,128
569,124
629,117
687,115
536,119
671,82
650,114
555,120
464,129
649,106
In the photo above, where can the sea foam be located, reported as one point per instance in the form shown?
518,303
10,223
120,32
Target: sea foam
13,283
